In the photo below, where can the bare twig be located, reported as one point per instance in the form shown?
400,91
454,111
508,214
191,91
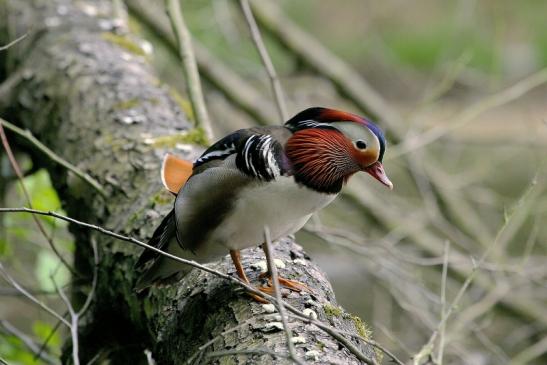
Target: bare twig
20,177
53,156
266,60
530,353
327,329
235,88
469,114
197,355
191,73
76,315
377,345
73,322
443,303
275,283
15,41
48,338
29,343
426,350
32,298
334,333
314,54
149,358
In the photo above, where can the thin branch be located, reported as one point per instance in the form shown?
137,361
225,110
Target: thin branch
32,298
443,303
375,344
149,358
327,329
27,135
530,353
235,88
15,41
350,83
73,322
334,333
468,115
29,343
20,177
48,338
191,73
280,307
266,60
195,358
426,350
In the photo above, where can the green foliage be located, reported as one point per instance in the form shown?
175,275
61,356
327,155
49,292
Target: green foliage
44,332
541,48
43,196
14,351
424,49
47,267
5,249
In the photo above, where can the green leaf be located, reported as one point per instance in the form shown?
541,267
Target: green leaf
47,264
43,331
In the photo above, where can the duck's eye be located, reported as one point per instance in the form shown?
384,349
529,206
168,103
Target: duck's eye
360,144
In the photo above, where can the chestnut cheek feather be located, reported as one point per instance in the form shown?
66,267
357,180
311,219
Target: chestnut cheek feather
322,159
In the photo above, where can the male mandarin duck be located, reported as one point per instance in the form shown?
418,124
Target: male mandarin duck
274,176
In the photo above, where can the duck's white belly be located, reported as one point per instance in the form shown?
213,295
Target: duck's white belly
282,205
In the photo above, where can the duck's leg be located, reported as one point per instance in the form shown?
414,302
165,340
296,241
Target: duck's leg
286,283
236,258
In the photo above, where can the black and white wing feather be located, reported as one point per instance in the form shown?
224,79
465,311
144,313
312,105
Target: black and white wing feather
260,156
258,153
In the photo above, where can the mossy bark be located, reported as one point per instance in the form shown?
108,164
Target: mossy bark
99,105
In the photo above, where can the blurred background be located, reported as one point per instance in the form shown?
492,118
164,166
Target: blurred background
465,111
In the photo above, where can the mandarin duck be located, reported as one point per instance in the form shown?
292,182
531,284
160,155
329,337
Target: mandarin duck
275,176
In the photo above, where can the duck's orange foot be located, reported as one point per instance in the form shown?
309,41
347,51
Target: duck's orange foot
286,283
265,289
258,298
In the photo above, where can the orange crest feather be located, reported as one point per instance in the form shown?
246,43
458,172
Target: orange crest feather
175,172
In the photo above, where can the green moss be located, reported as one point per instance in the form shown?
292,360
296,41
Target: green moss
332,311
193,136
366,333
162,197
360,326
183,103
321,345
126,104
123,42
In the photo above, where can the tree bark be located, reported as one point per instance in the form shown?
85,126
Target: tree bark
84,88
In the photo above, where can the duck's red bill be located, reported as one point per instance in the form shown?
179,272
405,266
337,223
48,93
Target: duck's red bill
376,170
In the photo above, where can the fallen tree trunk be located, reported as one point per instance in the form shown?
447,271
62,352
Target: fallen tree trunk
85,89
